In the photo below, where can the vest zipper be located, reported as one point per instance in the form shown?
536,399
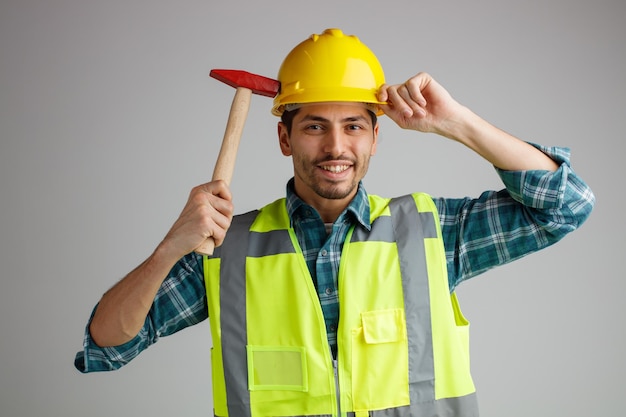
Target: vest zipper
338,394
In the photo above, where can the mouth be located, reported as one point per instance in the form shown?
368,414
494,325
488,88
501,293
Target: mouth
335,169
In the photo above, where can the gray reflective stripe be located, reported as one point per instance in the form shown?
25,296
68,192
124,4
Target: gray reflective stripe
348,414
270,243
233,315
382,229
409,228
466,406
259,243
241,242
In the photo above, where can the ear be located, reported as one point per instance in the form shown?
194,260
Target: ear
283,139
373,151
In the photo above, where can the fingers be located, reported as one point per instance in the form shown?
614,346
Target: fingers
409,104
219,188
406,99
208,213
211,205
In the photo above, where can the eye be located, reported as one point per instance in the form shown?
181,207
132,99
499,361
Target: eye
314,127
355,128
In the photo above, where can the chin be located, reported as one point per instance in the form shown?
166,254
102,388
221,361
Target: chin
335,193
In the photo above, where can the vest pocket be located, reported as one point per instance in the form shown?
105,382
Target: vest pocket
462,325
277,368
380,361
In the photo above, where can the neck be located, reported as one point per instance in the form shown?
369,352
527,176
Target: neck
328,208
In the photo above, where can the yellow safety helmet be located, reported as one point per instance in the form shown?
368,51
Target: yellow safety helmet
329,67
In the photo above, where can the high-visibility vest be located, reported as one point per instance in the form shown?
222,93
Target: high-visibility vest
403,347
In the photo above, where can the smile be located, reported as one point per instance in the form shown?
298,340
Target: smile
335,168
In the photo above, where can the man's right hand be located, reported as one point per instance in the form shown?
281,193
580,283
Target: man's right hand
207,214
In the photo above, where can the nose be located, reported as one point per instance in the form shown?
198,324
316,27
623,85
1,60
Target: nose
334,142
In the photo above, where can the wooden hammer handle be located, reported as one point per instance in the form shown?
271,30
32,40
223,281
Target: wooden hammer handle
225,164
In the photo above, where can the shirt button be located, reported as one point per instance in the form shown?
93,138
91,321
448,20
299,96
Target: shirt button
329,291
324,252
333,328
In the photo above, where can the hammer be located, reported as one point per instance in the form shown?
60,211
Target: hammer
245,84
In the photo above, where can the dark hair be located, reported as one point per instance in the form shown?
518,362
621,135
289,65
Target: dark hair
287,118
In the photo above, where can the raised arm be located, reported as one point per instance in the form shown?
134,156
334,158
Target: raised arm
544,199
424,105
123,309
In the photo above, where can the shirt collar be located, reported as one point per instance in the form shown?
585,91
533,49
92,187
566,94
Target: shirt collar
359,207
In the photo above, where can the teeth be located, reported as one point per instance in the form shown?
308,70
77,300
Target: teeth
335,168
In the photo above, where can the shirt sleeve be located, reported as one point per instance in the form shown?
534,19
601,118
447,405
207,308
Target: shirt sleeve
179,303
535,210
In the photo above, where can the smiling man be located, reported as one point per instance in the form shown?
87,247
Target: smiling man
332,301
331,145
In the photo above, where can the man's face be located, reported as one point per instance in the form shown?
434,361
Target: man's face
330,144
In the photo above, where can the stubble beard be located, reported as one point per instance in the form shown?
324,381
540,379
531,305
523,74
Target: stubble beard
327,189
333,192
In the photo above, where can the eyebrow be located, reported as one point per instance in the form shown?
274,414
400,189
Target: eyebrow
315,118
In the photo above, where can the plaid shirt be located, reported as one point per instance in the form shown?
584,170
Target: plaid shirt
536,210
322,248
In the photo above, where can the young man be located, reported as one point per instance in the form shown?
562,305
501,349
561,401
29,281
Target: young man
333,301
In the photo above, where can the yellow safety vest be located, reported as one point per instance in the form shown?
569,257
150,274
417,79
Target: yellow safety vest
403,347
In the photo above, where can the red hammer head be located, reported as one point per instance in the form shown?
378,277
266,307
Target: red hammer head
256,83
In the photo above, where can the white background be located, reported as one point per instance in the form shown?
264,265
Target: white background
108,118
